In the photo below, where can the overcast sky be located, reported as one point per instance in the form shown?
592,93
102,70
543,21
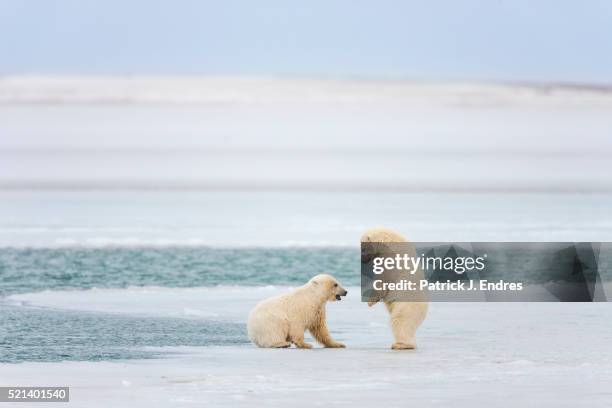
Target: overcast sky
531,40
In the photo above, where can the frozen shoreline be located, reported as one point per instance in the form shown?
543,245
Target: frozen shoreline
244,376
469,355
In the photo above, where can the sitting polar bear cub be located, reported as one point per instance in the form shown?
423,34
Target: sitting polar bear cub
282,320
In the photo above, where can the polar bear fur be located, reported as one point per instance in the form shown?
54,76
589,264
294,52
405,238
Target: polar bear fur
406,317
282,320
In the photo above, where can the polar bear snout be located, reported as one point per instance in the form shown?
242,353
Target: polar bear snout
343,293
340,292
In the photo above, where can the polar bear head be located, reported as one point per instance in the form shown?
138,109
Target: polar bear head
331,288
381,234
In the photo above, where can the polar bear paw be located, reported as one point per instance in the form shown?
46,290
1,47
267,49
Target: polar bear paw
403,346
303,345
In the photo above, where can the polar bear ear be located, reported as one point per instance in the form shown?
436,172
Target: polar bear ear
315,282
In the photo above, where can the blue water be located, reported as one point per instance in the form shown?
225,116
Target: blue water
31,270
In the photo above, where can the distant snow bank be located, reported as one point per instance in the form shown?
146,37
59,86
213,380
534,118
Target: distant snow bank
141,89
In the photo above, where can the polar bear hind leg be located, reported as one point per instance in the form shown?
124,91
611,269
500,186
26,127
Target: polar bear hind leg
403,333
296,334
268,331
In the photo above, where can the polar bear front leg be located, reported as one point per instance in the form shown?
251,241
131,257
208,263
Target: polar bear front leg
320,332
296,334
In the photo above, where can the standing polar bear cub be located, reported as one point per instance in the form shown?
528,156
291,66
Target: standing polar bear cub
406,317
282,320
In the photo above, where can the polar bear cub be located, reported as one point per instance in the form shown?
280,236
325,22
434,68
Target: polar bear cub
282,320
406,317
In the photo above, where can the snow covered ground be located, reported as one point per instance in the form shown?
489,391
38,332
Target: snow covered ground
469,355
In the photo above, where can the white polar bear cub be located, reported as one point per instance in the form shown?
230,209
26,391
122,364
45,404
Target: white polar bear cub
406,317
282,320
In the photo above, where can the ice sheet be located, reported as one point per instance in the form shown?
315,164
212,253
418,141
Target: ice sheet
469,355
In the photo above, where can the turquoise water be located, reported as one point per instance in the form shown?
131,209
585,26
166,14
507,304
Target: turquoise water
31,334
31,270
